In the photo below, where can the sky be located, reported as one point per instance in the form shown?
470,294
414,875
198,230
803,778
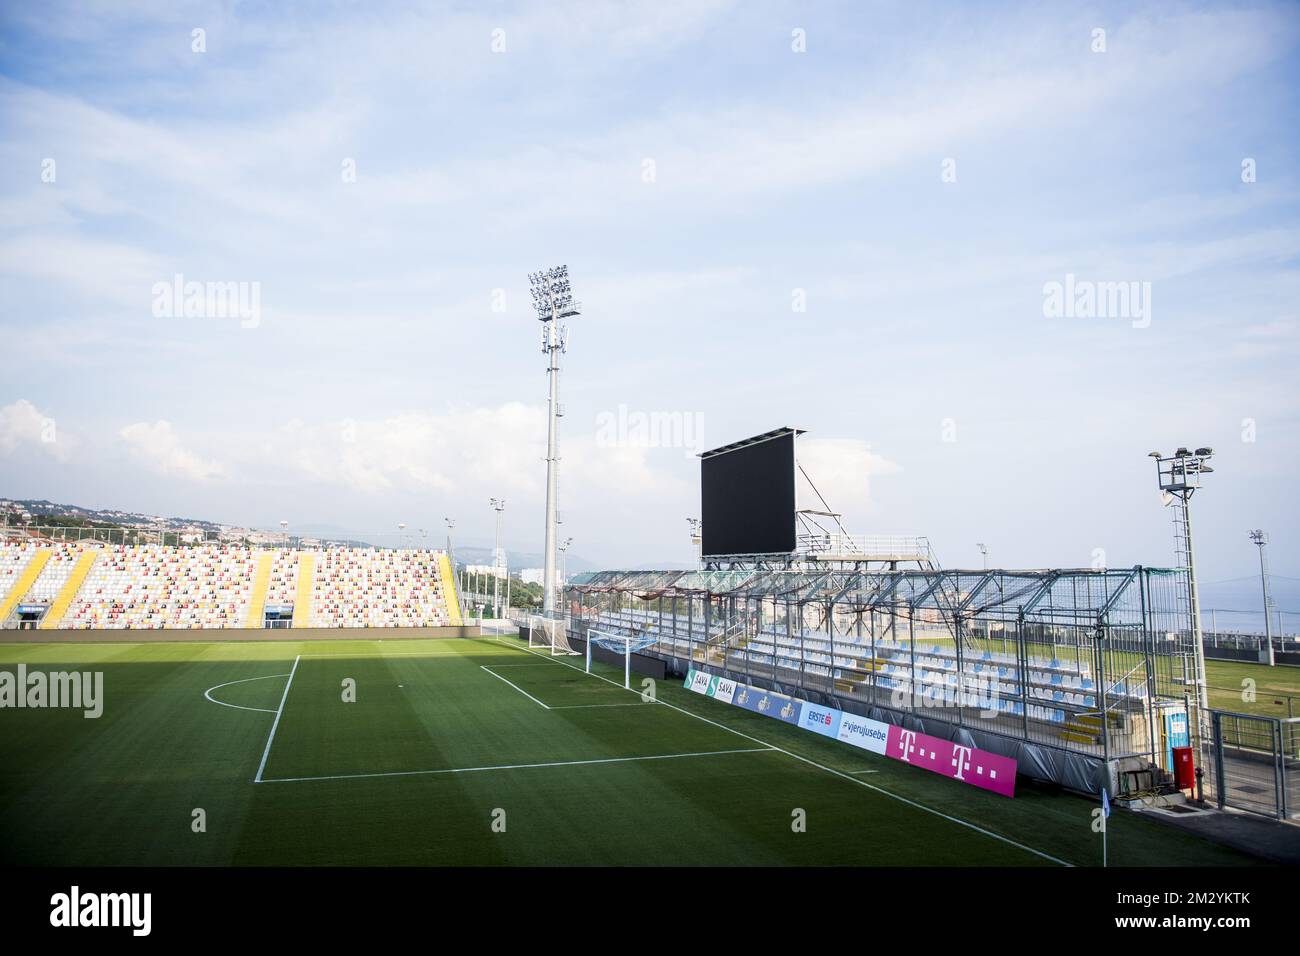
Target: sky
988,255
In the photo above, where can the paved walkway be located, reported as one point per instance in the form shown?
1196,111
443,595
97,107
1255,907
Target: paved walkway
1249,832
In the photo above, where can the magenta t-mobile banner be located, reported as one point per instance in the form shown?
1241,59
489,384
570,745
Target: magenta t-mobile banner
979,768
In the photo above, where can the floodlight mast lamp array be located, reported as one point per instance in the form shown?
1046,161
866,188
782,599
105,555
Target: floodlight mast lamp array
553,300
1179,476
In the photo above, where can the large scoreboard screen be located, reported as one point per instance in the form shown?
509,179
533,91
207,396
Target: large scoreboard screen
747,492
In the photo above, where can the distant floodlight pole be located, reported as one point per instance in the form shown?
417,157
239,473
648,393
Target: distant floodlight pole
1261,539
553,300
498,505
1179,476
984,552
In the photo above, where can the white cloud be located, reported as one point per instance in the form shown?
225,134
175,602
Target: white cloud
24,427
842,469
117,272
443,452
459,451
158,446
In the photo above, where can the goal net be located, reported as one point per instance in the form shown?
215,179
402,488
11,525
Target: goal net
624,645
548,633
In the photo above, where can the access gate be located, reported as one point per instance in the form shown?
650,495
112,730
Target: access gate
1254,763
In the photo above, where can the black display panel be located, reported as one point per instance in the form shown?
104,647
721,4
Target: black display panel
747,498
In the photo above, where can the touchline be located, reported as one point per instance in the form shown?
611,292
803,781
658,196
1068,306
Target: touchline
75,690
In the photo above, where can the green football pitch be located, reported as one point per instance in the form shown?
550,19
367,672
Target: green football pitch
481,752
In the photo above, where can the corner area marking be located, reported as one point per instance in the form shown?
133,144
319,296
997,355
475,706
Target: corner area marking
276,723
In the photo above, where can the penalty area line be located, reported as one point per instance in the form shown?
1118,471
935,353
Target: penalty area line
517,766
263,710
838,773
516,687
276,723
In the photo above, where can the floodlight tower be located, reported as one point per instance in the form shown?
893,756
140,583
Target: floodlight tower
1261,539
553,300
696,541
498,505
1179,476
984,553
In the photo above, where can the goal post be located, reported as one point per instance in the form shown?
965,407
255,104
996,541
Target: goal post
623,644
550,634
610,642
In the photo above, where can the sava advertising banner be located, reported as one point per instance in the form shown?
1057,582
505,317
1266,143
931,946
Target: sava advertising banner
979,768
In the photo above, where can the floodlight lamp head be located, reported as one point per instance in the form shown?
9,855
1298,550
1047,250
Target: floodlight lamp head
1182,453
1155,454
1205,452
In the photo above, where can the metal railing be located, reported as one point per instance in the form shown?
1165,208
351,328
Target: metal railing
869,547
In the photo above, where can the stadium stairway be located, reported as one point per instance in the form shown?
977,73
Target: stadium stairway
24,582
302,599
1086,728
449,590
85,561
261,579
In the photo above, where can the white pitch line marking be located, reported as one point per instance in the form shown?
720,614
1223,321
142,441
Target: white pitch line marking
276,723
516,687
411,655
638,703
517,766
813,763
265,710
494,664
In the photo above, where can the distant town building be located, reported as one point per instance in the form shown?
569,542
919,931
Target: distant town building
532,575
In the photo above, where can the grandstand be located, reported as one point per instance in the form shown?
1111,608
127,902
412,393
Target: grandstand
88,585
368,588
1066,670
